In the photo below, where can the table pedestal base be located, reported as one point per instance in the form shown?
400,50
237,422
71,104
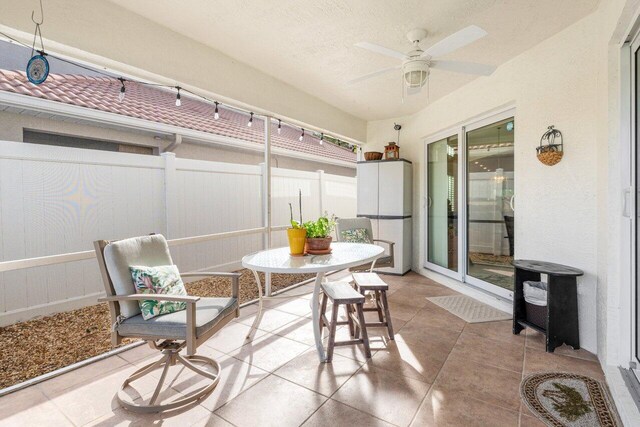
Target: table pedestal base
315,312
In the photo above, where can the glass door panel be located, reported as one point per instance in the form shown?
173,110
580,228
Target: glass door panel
442,203
490,204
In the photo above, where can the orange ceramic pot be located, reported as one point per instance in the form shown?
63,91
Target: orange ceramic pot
319,244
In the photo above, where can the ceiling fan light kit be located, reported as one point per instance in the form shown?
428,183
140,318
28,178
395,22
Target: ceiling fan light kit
417,63
415,73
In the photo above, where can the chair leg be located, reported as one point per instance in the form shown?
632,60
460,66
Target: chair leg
356,325
379,307
332,332
170,357
323,309
387,316
349,309
363,330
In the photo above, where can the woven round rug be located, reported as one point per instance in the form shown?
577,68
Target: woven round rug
562,399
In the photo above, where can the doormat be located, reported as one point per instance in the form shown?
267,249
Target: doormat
562,399
469,309
490,259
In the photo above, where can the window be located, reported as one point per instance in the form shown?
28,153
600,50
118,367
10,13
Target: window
44,138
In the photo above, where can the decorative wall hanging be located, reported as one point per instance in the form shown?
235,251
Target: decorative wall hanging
38,66
550,152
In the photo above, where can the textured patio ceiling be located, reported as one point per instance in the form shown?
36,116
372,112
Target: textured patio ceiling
309,43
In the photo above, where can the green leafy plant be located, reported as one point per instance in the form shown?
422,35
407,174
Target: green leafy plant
297,224
322,227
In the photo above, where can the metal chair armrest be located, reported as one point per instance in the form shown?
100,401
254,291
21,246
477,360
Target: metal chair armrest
235,279
388,242
210,273
158,297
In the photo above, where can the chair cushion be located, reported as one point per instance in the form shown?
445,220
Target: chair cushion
163,279
344,224
357,235
209,312
149,251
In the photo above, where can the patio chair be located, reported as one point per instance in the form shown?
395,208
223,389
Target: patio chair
167,333
354,224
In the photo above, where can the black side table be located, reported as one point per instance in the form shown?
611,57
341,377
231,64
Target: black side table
562,302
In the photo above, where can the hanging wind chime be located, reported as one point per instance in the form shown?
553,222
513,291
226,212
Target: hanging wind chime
38,66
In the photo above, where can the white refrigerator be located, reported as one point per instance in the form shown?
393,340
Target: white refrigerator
385,196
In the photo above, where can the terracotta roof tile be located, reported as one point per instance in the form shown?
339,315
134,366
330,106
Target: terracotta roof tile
158,105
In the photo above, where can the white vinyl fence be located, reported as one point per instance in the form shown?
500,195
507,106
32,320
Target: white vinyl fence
55,201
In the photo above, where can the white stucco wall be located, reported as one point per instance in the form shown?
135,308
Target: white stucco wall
554,83
105,34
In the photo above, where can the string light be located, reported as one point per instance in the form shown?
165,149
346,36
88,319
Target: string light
321,138
178,102
122,90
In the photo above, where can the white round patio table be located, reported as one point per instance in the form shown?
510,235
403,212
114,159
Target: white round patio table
342,256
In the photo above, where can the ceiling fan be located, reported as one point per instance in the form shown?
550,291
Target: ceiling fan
417,62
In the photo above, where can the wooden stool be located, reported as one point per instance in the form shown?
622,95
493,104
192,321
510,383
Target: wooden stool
373,283
343,294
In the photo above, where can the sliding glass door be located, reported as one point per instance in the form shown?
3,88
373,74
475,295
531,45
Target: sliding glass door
469,203
490,198
442,205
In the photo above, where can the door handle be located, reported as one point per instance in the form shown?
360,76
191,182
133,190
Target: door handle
511,202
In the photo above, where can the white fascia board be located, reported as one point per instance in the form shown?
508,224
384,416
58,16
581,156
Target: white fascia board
31,103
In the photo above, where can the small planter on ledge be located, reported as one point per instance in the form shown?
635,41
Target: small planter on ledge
549,152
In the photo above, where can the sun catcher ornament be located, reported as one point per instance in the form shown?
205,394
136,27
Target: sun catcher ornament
38,69
38,66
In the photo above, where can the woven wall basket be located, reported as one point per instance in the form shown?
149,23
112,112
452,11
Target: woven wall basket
550,151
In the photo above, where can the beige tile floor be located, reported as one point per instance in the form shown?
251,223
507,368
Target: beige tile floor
439,371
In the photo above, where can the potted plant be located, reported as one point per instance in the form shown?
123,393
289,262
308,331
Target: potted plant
297,234
319,234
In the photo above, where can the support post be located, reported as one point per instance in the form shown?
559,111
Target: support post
266,177
322,190
170,193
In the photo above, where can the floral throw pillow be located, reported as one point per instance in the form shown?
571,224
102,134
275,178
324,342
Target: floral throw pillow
357,235
164,279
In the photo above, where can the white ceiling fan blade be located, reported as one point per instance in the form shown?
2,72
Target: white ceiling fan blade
455,41
374,74
382,50
464,67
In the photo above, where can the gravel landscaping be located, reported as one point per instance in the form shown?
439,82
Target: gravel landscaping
38,346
